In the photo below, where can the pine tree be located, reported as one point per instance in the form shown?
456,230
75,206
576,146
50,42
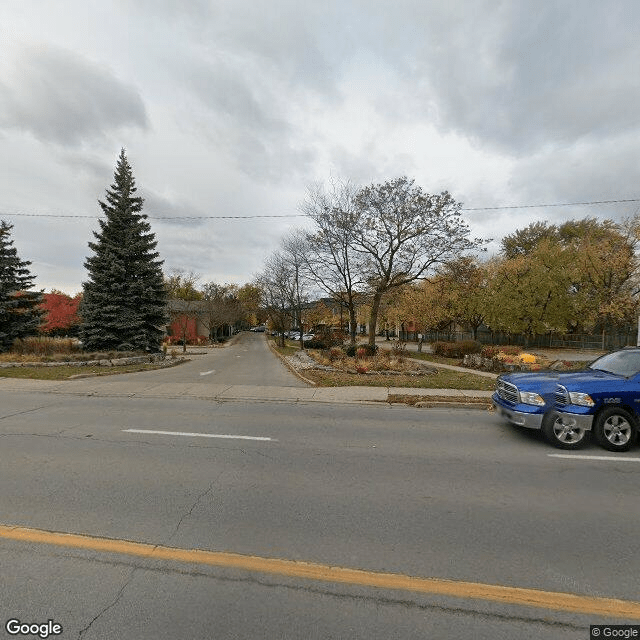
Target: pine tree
124,301
19,308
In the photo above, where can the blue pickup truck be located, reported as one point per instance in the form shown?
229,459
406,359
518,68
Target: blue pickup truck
603,398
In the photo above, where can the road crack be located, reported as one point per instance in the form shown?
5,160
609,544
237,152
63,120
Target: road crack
191,509
111,605
21,413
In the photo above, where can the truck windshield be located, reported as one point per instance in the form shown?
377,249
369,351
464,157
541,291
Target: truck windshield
620,363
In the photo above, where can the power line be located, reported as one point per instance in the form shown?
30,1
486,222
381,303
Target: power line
301,215
558,204
63,215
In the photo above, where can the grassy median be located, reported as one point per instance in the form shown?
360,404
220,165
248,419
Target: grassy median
441,379
444,379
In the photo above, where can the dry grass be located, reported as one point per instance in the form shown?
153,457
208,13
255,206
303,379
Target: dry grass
384,360
45,346
47,349
390,369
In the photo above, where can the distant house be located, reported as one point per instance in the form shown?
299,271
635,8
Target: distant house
187,320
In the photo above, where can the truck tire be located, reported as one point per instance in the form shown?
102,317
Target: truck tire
560,435
615,429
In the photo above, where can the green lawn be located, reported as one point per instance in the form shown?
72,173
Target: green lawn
64,372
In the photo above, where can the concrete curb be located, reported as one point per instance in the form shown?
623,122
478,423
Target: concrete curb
98,386
286,363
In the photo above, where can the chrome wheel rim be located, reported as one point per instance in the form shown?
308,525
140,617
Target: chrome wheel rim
617,430
567,434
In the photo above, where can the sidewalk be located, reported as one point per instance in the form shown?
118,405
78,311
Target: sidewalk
106,387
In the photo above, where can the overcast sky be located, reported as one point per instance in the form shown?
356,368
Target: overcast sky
235,108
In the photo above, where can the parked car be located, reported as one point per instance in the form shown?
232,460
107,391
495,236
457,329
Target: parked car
603,398
259,328
308,336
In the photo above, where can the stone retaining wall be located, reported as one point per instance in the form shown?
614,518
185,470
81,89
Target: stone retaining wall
113,362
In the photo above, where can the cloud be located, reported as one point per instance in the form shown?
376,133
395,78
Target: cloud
518,76
61,97
589,171
175,213
249,116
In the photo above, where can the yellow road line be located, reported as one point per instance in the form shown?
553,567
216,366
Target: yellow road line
557,601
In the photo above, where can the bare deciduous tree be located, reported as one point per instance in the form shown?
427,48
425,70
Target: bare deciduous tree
295,250
403,234
276,285
330,258
220,307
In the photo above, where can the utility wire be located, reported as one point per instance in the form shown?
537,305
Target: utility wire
63,215
301,215
559,204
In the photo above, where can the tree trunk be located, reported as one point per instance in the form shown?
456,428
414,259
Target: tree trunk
352,323
373,318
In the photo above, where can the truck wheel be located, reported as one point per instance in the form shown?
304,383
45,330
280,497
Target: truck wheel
615,429
561,435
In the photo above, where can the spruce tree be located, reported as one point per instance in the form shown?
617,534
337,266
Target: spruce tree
124,301
19,308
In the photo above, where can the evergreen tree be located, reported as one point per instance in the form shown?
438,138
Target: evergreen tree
19,308
124,301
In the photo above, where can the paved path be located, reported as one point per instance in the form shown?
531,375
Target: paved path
574,355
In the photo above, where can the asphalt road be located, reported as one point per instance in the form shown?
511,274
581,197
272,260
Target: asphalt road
444,494
247,362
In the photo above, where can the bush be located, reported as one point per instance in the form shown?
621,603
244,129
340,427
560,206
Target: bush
456,349
326,339
369,351
350,351
489,351
511,350
45,346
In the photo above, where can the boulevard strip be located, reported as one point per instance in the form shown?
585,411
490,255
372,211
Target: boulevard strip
550,600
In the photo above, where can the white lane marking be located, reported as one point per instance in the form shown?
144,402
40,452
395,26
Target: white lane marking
200,435
207,373
578,457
